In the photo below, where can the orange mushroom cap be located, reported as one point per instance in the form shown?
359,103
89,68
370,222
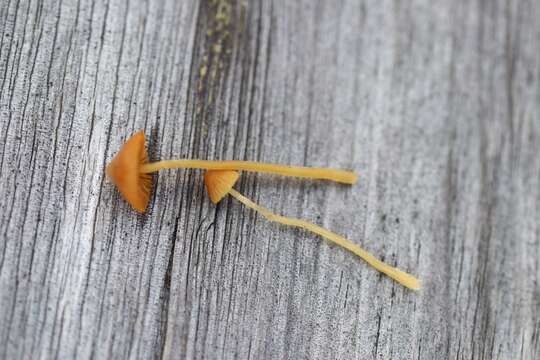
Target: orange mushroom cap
124,172
219,183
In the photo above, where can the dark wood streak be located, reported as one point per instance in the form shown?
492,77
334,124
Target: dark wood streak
434,104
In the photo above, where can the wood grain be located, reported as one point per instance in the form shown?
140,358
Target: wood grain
434,103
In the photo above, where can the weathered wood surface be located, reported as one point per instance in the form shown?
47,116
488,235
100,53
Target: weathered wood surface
435,104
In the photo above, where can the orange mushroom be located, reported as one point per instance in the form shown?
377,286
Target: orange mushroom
220,183
130,168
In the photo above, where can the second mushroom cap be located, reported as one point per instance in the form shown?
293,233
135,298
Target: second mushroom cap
219,183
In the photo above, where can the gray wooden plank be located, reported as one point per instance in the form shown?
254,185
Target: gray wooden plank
434,104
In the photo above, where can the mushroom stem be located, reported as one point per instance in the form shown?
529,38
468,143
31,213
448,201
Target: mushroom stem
401,277
341,176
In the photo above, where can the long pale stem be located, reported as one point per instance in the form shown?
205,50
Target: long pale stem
341,176
402,277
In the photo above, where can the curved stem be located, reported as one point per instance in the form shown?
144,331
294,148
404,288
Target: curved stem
402,277
341,176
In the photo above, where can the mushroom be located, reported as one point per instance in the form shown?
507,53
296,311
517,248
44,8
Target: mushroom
219,183
130,169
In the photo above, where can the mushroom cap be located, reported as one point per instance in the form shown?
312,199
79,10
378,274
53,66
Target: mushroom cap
124,172
219,183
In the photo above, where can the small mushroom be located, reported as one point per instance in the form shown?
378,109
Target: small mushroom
341,176
220,183
130,169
